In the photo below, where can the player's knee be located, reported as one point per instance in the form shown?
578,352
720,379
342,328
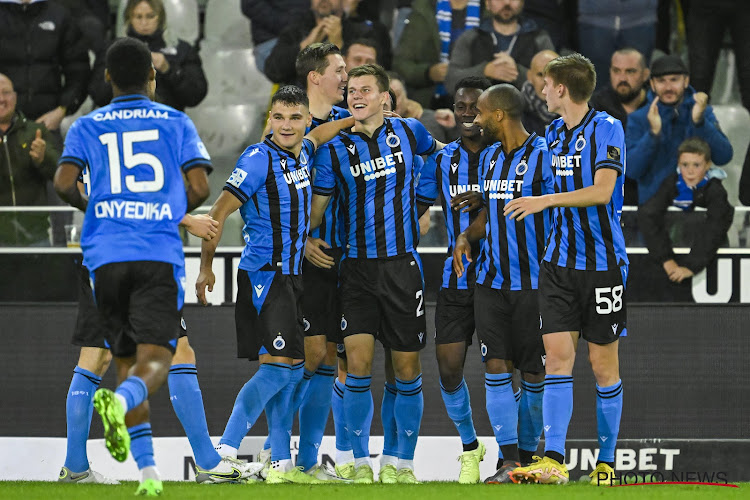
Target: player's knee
495,366
315,352
184,354
533,377
406,365
451,380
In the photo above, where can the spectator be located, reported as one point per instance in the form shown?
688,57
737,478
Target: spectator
180,81
626,92
360,51
325,21
93,21
267,20
695,184
707,21
31,161
406,108
536,116
424,50
556,17
676,113
607,25
501,47
44,55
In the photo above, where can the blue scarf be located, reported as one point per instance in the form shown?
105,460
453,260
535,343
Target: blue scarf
684,198
445,25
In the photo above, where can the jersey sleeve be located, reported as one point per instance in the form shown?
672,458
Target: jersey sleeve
425,142
193,153
610,146
427,188
75,147
548,177
324,180
249,175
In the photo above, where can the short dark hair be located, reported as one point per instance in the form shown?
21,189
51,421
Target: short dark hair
631,50
128,62
507,98
576,72
367,42
375,70
394,101
290,95
314,57
695,145
473,82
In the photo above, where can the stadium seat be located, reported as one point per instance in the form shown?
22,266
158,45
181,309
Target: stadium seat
228,130
225,26
233,77
182,19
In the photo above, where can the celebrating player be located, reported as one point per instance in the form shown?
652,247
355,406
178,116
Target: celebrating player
582,278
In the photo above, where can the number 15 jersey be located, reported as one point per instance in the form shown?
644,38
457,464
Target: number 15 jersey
136,152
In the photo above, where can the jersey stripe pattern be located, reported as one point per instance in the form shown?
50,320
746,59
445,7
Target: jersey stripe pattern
512,249
587,238
377,183
454,170
274,188
329,228
132,154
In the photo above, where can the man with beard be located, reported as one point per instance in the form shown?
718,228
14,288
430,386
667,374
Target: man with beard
536,116
501,47
626,92
326,21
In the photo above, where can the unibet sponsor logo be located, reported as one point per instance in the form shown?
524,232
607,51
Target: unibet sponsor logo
456,189
378,167
502,189
300,178
138,210
563,165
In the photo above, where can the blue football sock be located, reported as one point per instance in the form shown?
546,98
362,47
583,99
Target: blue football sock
313,415
187,401
530,420
141,445
458,405
78,411
300,393
280,414
408,410
608,413
339,419
388,417
517,397
252,398
557,408
134,390
358,408
501,408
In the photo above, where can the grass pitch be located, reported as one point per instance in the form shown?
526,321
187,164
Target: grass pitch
18,490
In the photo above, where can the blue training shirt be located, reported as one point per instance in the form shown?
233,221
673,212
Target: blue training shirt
329,229
135,152
512,249
376,180
274,188
587,238
454,170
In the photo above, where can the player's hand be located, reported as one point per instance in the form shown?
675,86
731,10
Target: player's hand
52,119
462,248
445,118
654,120
37,149
391,114
413,109
437,72
205,279
680,274
315,254
160,62
699,108
203,226
467,201
519,208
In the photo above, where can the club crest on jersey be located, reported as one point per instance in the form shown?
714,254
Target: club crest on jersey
522,168
392,140
340,348
306,324
580,143
302,158
279,343
182,324
484,349
344,323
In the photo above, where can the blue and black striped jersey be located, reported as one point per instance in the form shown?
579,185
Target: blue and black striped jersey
454,170
329,228
377,184
274,188
512,249
587,238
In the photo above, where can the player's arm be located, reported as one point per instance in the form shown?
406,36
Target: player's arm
225,205
319,205
66,185
327,131
197,187
475,232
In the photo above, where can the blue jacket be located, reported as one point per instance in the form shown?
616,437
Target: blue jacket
651,159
